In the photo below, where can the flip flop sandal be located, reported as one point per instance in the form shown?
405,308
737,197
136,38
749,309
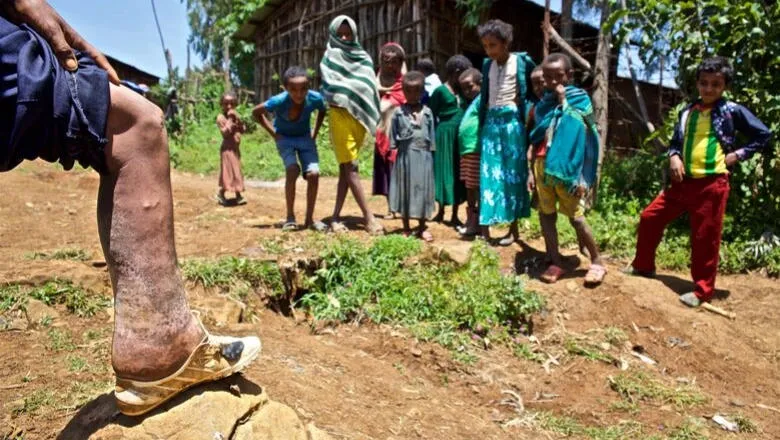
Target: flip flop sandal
375,228
507,241
338,227
318,226
552,274
221,199
215,358
241,201
595,275
289,226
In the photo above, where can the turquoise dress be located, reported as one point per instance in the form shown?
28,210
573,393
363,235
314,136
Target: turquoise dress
448,112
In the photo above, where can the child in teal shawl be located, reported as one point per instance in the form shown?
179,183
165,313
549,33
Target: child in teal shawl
563,119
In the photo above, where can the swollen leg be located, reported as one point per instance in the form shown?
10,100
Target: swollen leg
549,226
585,237
154,329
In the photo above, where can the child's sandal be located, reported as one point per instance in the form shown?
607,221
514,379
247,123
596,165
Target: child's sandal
552,274
595,275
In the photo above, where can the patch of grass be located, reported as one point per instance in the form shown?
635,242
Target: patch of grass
72,254
11,295
60,340
586,350
692,429
526,351
76,364
76,299
638,387
615,336
570,427
80,393
745,424
35,401
230,272
389,281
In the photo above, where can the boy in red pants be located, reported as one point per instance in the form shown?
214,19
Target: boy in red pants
703,148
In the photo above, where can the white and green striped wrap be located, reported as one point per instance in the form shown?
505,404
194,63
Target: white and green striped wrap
348,77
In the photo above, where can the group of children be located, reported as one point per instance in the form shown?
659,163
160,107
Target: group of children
501,138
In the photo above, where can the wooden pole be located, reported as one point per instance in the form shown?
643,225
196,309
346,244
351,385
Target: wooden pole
546,26
166,52
637,89
551,33
601,92
226,62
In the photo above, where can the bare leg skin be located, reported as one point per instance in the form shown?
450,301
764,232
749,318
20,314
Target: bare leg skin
585,237
550,234
353,179
313,185
341,191
154,331
291,175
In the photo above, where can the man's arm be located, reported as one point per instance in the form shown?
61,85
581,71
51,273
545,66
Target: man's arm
40,16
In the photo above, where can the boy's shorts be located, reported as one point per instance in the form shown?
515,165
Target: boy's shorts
303,149
346,133
45,111
567,203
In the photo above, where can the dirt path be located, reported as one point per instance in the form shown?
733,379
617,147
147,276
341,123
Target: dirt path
368,382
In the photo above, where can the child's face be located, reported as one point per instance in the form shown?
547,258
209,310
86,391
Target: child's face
390,65
228,104
495,48
711,86
345,32
537,82
297,87
555,74
470,88
413,92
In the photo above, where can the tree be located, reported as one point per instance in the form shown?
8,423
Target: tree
601,78
567,20
213,23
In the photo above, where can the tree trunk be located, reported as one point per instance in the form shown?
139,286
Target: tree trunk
226,62
567,21
640,99
546,29
601,92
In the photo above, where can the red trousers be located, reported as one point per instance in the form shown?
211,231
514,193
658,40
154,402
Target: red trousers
705,202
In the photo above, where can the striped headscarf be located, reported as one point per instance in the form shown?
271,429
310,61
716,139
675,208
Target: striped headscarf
348,79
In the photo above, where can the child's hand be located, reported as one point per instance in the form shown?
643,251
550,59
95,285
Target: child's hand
731,159
677,168
531,182
560,92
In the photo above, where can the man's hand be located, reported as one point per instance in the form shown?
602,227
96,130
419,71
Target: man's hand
560,92
676,168
63,39
731,159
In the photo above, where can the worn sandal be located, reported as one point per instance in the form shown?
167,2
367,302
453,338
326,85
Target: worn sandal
215,358
425,236
595,275
375,228
552,274
338,227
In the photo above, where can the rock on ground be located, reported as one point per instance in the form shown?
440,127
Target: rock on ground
211,412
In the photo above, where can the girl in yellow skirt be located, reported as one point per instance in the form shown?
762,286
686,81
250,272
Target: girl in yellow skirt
349,87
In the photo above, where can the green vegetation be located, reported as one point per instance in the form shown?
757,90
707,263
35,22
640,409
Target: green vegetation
35,401
388,282
692,429
60,340
638,387
232,272
73,254
76,299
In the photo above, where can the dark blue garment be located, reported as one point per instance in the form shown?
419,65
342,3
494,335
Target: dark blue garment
728,118
45,111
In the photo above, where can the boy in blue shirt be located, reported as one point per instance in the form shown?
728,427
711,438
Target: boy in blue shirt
295,141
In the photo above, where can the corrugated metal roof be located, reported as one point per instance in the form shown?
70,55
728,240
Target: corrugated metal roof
247,30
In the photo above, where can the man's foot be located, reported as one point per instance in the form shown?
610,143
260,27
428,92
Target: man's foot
638,273
214,358
690,299
552,274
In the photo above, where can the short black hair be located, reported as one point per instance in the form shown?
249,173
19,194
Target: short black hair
426,66
537,69
457,64
562,57
414,77
472,73
294,72
229,95
496,28
394,51
716,65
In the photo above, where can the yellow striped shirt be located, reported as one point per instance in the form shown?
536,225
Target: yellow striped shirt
702,153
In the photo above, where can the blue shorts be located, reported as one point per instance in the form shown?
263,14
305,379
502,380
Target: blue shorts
295,149
47,112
